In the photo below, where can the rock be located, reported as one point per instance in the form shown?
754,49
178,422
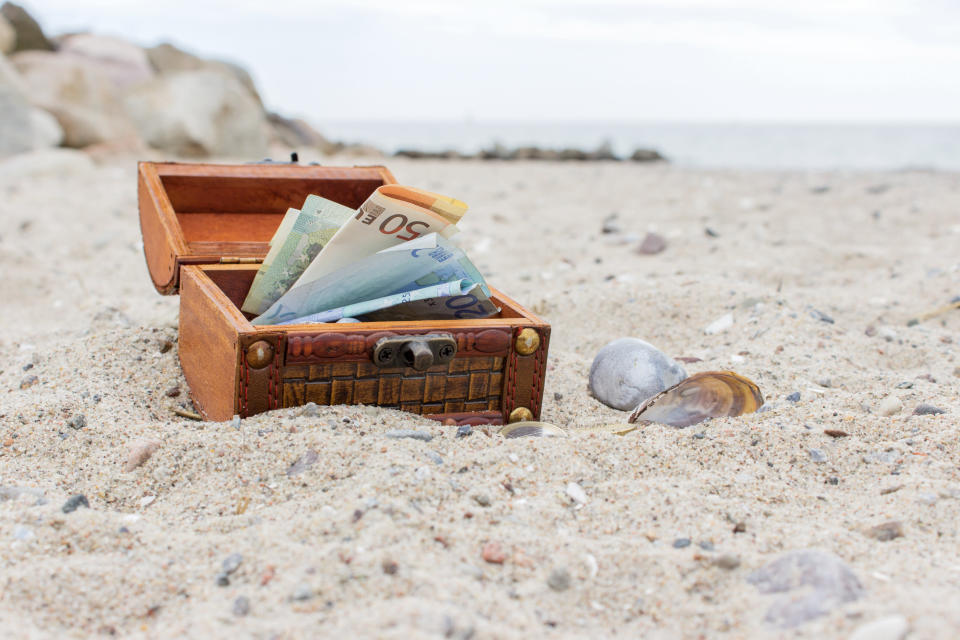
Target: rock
576,493
28,34
75,502
890,406
924,409
628,371
241,606
310,410
140,451
794,397
726,561
886,531
302,463
826,383
199,113
482,499
830,583
80,96
78,421
398,434
435,457
16,125
493,553
390,566
887,334
816,314
464,430
610,224
46,132
125,64
231,563
647,155
167,59
652,244
817,455
681,543
296,133
887,628
8,37
302,592
28,381
559,579
719,325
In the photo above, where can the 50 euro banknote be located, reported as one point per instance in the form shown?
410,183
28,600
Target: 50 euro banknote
393,214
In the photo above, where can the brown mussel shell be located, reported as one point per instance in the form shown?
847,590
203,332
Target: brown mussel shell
531,429
711,394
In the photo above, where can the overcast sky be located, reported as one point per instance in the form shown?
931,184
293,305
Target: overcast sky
707,60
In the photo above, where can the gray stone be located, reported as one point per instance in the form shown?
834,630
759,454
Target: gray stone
794,397
310,410
124,63
302,592
199,113
303,463
241,606
8,37
398,434
231,563
559,579
827,580
45,131
653,243
482,499
167,59
75,502
79,95
464,430
628,371
924,409
297,134
887,628
817,455
29,35
726,561
681,543
78,421
435,457
886,531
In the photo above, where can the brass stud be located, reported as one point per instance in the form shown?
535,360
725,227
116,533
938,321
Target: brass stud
520,414
527,342
259,354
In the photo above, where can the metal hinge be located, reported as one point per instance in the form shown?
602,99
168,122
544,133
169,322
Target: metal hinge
236,260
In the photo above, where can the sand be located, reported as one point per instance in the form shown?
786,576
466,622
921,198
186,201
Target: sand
384,538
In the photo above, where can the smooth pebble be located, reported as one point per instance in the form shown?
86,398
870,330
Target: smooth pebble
628,371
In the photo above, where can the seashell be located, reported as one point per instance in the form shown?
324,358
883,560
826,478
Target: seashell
531,429
711,394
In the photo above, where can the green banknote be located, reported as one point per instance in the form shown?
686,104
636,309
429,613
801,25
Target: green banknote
317,222
423,262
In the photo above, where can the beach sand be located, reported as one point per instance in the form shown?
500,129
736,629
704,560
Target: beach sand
384,538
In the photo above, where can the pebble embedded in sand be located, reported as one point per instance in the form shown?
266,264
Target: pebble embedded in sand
924,409
493,553
886,628
140,452
890,406
559,579
719,325
886,531
75,502
628,371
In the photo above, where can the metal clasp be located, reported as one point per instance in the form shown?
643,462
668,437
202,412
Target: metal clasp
417,352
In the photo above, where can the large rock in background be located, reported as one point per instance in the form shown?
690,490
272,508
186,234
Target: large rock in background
80,96
297,134
29,35
22,126
168,59
8,37
125,64
199,113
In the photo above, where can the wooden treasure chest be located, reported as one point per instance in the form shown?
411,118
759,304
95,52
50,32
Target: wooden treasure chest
205,230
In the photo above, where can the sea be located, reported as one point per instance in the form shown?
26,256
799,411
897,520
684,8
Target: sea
763,146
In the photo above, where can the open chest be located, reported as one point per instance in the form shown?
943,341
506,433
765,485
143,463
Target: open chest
206,229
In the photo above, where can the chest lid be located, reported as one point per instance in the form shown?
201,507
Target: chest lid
209,213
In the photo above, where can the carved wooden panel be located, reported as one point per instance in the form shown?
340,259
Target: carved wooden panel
464,385
313,347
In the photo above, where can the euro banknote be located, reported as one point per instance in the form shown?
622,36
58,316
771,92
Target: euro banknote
393,214
313,228
421,262
404,306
